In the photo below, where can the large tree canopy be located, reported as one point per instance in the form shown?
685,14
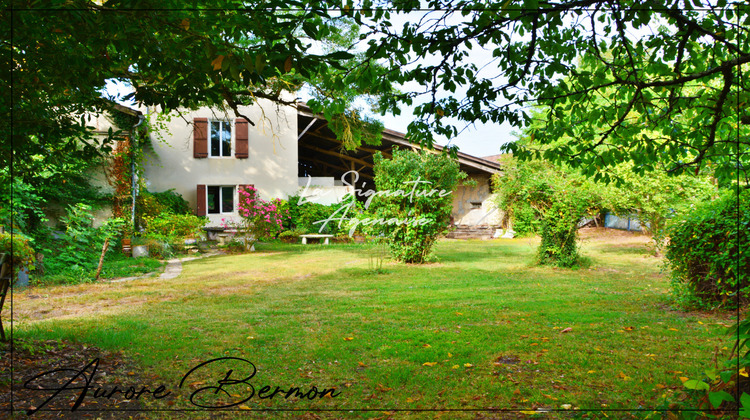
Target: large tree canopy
603,71
62,53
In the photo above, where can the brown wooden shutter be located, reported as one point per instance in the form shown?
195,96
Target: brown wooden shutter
200,137
201,201
240,138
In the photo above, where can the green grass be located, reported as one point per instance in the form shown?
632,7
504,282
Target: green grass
314,315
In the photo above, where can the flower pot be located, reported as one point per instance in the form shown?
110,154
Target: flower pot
126,246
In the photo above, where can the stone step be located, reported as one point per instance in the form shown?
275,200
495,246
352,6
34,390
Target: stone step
471,232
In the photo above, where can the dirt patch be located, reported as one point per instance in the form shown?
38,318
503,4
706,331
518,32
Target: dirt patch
34,358
606,233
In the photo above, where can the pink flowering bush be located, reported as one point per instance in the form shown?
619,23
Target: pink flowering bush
259,218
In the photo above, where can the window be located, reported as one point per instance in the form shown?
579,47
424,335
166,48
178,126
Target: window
220,135
219,199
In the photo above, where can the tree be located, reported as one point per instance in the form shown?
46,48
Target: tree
559,196
603,70
656,198
412,203
61,54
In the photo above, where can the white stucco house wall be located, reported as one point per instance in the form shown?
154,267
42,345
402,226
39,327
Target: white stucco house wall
206,155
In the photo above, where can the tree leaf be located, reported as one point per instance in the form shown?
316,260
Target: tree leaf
216,63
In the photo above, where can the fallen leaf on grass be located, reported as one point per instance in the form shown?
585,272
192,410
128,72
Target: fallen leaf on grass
550,397
429,363
469,365
623,376
673,329
427,346
362,364
591,371
628,328
454,367
381,388
683,379
348,338
566,406
567,330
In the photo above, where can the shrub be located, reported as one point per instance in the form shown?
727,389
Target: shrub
176,226
527,220
708,263
559,228
22,255
408,213
173,202
147,206
304,217
258,218
290,236
559,196
78,249
159,246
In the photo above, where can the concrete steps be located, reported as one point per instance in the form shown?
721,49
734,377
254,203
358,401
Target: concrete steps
471,232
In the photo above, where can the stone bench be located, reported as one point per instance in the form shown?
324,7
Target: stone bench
317,236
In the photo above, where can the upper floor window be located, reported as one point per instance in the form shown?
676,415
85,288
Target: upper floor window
220,135
214,138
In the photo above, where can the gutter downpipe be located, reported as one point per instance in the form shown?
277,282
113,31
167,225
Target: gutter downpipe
133,175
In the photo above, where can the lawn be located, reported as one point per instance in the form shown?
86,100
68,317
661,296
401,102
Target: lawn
481,327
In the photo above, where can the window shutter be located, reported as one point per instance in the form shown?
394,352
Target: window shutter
240,138
201,201
200,137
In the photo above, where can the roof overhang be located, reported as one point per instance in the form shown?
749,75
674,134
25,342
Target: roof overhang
313,128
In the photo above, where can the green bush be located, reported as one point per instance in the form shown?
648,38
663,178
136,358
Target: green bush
176,226
290,236
526,220
76,252
537,194
303,217
412,220
173,202
23,255
159,246
707,253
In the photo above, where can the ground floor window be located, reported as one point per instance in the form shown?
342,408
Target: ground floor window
220,199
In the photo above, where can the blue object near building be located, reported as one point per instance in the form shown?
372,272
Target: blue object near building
624,223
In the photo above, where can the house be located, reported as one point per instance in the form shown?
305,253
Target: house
205,155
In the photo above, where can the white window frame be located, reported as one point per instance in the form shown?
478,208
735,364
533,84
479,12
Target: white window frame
221,201
231,139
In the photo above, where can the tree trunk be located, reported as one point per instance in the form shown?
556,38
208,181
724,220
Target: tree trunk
101,259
